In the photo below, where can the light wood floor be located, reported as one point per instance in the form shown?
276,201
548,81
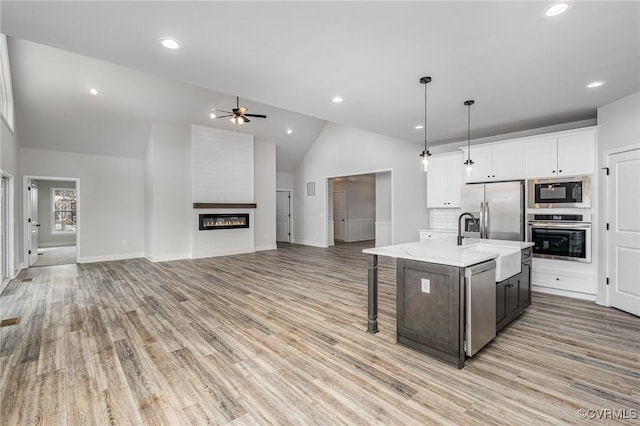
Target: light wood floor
279,337
49,256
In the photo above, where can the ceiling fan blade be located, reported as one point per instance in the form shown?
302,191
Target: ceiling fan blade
223,116
256,115
221,110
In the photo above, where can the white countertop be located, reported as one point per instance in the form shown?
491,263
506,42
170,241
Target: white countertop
445,251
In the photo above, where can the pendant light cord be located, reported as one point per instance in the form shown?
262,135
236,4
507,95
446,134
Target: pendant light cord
469,132
425,120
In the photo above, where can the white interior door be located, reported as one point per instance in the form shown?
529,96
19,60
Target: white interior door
339,215
283,216
33,222
623,242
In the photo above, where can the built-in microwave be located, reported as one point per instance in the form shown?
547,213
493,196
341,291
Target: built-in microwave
574,192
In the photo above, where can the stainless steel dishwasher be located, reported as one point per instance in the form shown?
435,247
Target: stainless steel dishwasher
480,289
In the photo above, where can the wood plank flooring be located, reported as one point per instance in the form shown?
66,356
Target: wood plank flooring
278,337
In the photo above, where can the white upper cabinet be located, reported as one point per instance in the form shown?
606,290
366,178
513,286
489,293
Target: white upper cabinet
577,154
566,155
541,158
496,162
444,180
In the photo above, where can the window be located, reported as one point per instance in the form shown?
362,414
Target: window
64,210
6,91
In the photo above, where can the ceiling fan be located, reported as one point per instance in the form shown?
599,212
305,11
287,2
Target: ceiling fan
238,114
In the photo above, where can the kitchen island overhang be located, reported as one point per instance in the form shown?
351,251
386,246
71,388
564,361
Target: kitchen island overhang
435,260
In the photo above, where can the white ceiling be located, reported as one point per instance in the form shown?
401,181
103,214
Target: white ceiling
523,70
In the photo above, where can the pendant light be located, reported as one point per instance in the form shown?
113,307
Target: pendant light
469,162
424,155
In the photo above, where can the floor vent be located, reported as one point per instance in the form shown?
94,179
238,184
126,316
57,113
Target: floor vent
26,280
9,321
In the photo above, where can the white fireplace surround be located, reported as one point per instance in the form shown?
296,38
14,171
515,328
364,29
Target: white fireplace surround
222,166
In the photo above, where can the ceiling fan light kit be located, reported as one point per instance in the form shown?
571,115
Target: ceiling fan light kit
238,114
424,155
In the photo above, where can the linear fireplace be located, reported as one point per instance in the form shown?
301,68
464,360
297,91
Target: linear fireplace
223,221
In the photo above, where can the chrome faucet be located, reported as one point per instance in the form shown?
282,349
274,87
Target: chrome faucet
460,237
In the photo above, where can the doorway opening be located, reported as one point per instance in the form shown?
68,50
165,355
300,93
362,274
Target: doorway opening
360,208
51,221
283,215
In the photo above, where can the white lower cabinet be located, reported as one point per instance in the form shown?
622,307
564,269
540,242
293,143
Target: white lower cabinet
571,281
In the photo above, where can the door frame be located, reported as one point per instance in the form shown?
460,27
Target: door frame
290,191
11,230
328,201
25,213
606,203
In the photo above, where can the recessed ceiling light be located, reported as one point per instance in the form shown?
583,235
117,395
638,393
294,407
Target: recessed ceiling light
419,126
337,100
556,9
289,131
594,84
93,91
170,43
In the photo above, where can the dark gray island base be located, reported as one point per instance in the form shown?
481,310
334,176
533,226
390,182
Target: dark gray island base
437,324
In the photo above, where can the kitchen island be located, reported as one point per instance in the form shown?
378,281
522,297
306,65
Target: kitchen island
447,303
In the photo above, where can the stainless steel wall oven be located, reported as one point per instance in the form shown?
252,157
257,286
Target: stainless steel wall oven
561,236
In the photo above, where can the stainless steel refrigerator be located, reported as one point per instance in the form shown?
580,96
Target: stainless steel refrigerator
498,208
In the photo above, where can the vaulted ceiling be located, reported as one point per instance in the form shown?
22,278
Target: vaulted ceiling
289,59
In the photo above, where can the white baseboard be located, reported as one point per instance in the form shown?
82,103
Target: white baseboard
311,243
110,257
216,253
267,247
168,257
61,244
566,293
361,238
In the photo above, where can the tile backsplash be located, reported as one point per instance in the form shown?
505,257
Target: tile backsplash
444,219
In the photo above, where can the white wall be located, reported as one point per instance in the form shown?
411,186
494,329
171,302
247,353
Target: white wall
46,238
265,196
344,151
148,197
619,126
284,180
111,199
9,165
168,205
383,209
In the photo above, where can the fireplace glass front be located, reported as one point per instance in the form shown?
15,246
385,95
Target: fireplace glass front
223,221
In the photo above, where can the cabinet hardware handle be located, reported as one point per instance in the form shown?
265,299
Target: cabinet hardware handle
559,171
557,279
